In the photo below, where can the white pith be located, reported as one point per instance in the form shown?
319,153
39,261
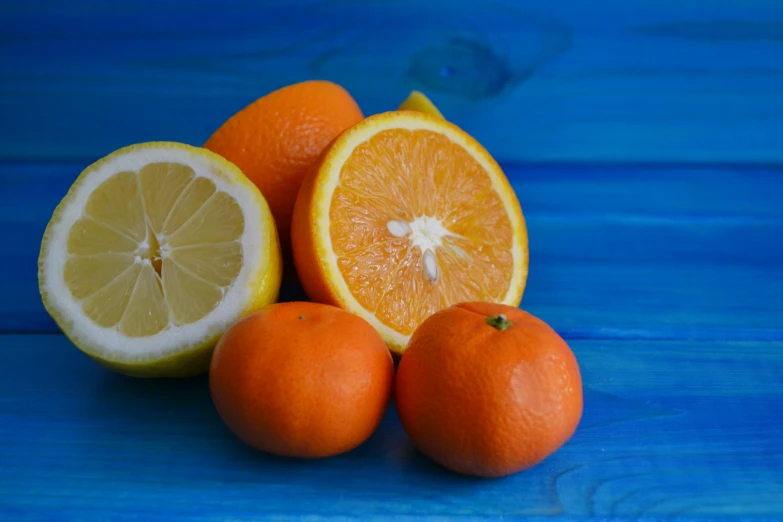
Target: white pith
109,342
426,233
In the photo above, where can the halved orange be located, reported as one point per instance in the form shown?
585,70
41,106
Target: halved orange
405,215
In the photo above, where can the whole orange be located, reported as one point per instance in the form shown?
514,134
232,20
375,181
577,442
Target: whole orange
488,389
301,379
276,139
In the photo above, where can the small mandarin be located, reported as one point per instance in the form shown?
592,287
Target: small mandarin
488,389
301,379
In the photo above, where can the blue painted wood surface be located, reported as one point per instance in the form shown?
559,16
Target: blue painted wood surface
670,429
645,143
570,80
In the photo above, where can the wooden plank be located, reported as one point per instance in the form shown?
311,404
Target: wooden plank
677,429
563,81
616,252
642,192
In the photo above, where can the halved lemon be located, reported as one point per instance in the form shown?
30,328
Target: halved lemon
405,215
153,253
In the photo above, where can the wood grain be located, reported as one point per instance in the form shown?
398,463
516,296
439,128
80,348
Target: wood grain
556,81
616,251
670,429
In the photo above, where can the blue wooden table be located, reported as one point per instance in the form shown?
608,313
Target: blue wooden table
645,143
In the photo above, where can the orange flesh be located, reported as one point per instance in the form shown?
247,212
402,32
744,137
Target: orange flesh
403,175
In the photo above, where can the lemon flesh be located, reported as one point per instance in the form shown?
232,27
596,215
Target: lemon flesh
156,250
